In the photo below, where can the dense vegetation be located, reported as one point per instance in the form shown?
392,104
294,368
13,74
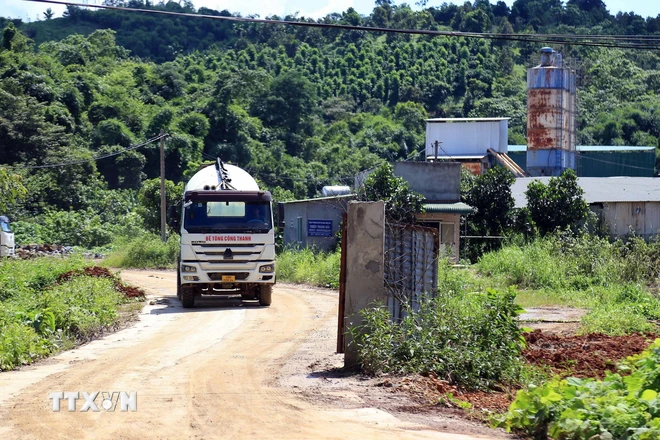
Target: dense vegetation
557,206
298,107
40,315
615,282
308,267
470,339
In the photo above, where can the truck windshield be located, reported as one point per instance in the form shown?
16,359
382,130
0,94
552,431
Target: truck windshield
218,217
4,227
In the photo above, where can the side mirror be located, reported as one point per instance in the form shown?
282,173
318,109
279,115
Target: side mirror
174,218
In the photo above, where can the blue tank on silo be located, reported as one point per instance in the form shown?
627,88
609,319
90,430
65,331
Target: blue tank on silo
550,116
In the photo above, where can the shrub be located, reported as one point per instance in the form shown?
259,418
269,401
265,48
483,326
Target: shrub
82,306
19,344
469,339
145,251
309,267
75,228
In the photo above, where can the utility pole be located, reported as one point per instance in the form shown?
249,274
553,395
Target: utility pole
437,144
163,199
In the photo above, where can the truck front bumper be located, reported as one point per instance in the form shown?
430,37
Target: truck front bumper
194,273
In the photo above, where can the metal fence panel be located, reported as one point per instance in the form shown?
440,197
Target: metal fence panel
411,266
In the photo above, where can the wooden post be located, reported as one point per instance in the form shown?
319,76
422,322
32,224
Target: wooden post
163,199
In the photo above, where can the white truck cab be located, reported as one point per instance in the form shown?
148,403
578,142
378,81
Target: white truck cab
6,238
227,237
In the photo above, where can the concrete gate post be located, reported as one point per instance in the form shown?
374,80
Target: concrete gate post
365,262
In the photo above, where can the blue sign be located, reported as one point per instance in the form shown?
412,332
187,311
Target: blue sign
319,228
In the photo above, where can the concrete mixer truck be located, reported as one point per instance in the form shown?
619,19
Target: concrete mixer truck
6,238
227,237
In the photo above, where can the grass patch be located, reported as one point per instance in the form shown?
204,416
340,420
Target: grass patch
616,320
144,251
309,267
39,317
34,275
610,279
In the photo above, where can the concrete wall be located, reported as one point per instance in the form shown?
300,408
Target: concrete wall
436,181
365,266
641,217
321,209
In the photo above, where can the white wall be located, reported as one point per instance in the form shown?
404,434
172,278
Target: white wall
467,138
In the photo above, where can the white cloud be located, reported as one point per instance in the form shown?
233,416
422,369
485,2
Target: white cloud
31,11
245,7
281,8
328,8
27,11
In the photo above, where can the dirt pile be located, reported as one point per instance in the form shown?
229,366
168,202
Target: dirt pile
578,356
430,390
102,272
582,356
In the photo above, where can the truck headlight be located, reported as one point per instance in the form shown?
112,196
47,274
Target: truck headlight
185,268
267,268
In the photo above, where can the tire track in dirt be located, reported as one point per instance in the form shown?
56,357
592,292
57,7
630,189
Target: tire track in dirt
208,372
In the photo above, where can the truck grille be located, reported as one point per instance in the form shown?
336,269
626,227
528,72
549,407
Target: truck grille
217,276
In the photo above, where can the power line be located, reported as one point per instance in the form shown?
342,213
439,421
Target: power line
93,159
533,38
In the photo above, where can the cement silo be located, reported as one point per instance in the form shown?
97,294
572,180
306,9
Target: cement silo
550,116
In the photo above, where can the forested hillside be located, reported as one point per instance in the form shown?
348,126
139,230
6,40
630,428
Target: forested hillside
298,107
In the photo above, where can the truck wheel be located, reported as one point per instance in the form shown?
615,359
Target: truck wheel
265,294
187,296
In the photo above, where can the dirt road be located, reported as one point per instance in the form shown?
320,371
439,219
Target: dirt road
220,370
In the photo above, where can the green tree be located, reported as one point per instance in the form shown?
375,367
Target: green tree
149,201
559,205
11,190
490,196
401,204
288,106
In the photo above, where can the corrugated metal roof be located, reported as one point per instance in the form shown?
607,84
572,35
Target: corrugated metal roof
612,148
601,189
459,157
322,199
466,119
523,148
451,208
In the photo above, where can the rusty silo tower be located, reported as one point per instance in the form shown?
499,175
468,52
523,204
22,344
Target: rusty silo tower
550,116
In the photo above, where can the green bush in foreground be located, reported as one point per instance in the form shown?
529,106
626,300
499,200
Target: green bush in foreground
617,407
145,251
470,339
309,267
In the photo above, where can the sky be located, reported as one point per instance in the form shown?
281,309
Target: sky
309,8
